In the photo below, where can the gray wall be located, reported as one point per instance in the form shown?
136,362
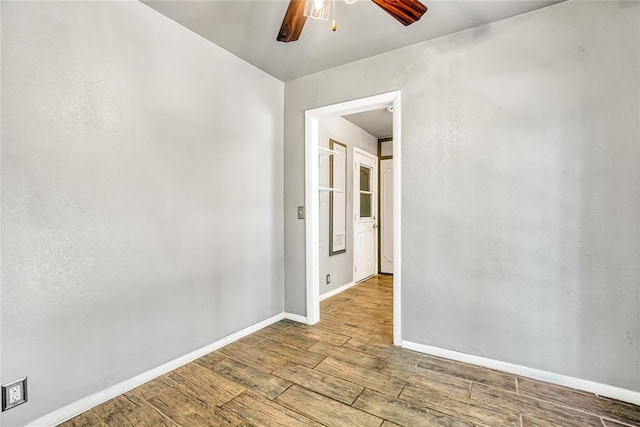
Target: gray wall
521,187
340,266
142,196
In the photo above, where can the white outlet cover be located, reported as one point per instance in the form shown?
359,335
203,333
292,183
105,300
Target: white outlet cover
14,393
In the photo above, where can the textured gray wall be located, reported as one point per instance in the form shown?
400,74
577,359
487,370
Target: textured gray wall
142,196
521,187
340,266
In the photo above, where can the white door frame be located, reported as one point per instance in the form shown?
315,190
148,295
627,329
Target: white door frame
383,217
355,190
312,203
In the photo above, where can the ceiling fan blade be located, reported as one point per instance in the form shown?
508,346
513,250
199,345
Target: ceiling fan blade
293,22
405,11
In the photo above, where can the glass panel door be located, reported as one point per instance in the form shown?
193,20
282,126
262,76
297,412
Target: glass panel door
366,199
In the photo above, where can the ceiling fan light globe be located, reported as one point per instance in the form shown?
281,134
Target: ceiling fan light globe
317,9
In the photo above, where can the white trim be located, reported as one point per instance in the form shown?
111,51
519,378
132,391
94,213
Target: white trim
312,223
296,318
312,237
365,153
397,220
326,151
336,291
79,406
550,377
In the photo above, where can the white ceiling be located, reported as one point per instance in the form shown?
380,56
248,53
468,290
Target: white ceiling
378,123
248,29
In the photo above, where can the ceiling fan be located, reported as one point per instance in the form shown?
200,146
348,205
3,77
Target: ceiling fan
405,11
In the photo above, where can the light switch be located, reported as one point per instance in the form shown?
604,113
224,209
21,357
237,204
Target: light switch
300,212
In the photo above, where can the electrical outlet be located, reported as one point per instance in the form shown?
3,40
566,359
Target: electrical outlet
14,393
328,279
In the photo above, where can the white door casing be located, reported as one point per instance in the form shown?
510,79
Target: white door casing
312,238
365,208
386,216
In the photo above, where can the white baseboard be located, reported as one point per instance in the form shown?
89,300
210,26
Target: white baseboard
79,406
577,383
336,291
296,318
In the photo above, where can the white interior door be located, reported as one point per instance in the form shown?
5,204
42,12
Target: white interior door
365,206
386,216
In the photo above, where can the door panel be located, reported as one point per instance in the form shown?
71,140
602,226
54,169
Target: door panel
386,216
365,206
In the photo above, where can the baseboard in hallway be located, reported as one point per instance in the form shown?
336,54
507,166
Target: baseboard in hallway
336,291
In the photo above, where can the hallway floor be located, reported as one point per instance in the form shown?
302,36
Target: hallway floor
345,371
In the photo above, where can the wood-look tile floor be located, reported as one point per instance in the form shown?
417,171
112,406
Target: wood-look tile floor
345,371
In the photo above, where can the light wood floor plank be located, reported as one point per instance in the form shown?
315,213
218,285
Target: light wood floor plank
447,385
210,359
528,421
86,419
187,410
369,378
588,402
383,351
289,337
252,339
259,358
347,355
611,423
329,304
319,382
263,412
324,410
151,388
293,354
320,334
266,384
500,399
469,372
206,385
382,338
460,409
348,330
402,412
123,412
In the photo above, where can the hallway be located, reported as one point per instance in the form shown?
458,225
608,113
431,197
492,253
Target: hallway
345,371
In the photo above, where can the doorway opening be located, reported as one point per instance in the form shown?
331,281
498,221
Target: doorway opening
312,188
